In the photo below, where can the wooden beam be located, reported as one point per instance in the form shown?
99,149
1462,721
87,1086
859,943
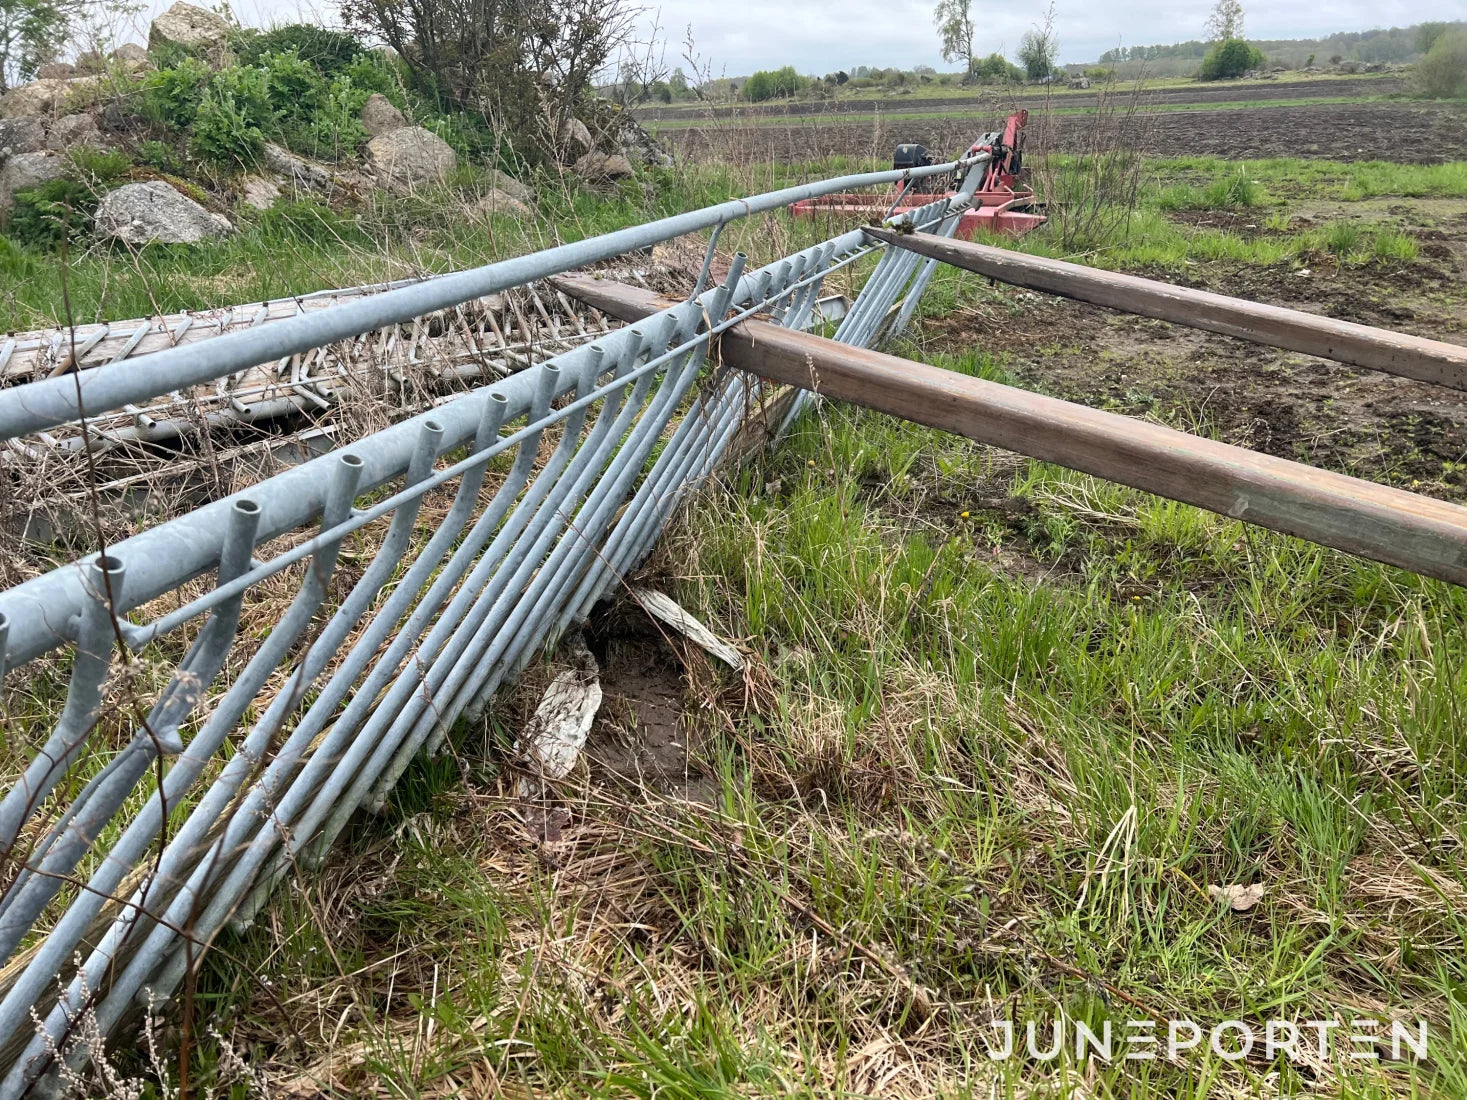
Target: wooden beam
1343,341
1371,521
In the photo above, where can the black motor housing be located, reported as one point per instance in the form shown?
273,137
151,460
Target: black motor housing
911,156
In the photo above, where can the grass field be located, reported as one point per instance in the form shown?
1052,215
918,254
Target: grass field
1006,732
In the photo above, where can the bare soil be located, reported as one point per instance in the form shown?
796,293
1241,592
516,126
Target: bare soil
1296,406
641,735
1406,133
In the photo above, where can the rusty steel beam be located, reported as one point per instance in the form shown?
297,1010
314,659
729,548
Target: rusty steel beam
1343,341
1359,517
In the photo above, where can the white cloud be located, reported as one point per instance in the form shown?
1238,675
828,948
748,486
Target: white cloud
818,36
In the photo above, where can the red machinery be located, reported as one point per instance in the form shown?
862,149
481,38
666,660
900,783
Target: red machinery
998,206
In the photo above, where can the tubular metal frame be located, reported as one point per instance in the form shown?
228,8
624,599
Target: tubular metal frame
591,452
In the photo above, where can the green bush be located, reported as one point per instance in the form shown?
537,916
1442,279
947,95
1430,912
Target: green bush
233,117
775,84
60,210
372,73
292,86
1442,73
171,96
1229,59
996,67
336,125
328,52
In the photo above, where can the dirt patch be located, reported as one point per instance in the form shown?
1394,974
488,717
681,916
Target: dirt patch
1294,406
642,735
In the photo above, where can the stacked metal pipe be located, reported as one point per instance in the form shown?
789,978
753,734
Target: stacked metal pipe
548,488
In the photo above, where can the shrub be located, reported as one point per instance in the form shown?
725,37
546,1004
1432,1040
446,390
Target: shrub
328,52
1229,59
1442,73
171,96
336,125
292,87
229,127
159,155
774,84
61,210
996,67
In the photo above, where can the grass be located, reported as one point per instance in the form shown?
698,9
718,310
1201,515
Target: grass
1004,727
1013,722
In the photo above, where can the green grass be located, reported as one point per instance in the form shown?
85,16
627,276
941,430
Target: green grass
966,791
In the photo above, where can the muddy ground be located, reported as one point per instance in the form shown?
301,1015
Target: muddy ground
1407,133
1295,406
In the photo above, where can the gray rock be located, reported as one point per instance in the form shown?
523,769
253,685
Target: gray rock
36,99
21,135
260,192
57,70
409,157
137,213
130,53
601,167
496,201
299,170
379,116
70,130
27,170
512,187
192,27
575,140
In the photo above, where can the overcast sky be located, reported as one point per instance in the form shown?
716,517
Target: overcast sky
737,37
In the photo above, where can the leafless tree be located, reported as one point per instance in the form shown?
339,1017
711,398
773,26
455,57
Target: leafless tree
1226,21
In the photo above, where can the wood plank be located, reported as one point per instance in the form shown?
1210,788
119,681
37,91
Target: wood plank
1379,349
1359,517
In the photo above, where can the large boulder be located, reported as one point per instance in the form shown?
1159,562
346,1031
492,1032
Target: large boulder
603,167
37,99
192,27
137,213
57,70
21,135
130,53
27,170
409,157
379,116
